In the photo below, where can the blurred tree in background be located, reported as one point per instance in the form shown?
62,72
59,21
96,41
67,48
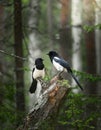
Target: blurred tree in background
29,29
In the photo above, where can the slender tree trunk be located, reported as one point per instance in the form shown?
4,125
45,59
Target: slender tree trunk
98,50
90,44
18,48
98,41
50,22
65,30
34,49
1,57
76,34
91,61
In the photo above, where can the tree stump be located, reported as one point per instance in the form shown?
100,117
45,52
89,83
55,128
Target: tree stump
51,100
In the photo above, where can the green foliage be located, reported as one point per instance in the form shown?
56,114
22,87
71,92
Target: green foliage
87,76
7,108
63,82
26,69
80,112
91,28
47,125
75,115
25,1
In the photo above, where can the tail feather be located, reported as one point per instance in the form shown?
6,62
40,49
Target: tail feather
33,86
75,79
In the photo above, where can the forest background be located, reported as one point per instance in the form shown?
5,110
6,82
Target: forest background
30,29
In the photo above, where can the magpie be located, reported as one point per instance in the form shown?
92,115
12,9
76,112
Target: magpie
61,65
37,72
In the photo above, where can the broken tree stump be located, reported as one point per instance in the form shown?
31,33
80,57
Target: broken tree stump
51,99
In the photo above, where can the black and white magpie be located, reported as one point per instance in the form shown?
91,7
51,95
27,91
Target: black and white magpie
38,72
62,65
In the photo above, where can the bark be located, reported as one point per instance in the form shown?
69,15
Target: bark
51,101
65,31
90,44
34,50
76,34
98,41
91,88
50,19
98,49
18,48
34,39
65,43
1,47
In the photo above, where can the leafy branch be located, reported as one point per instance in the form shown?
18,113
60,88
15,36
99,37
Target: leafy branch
88,28
88,76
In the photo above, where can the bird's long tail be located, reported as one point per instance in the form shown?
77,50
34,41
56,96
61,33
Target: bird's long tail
75,79
33,86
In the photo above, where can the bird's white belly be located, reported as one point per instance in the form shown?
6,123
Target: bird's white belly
38,74
58,66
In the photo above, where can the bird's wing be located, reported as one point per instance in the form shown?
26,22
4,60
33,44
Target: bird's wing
65,64
62,62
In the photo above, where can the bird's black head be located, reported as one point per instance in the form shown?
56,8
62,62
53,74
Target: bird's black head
38,61
52,54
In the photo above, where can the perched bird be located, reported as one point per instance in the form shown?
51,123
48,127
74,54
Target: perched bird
38,72
62,65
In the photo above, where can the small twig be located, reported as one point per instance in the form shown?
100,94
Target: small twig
13,55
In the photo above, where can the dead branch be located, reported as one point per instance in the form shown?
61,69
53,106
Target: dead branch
12,55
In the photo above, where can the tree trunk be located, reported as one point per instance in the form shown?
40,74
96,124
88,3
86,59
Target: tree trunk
90,44
91,60
65,31
1,56
98,41
33,46
76,34
18,48
98,49
50,22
